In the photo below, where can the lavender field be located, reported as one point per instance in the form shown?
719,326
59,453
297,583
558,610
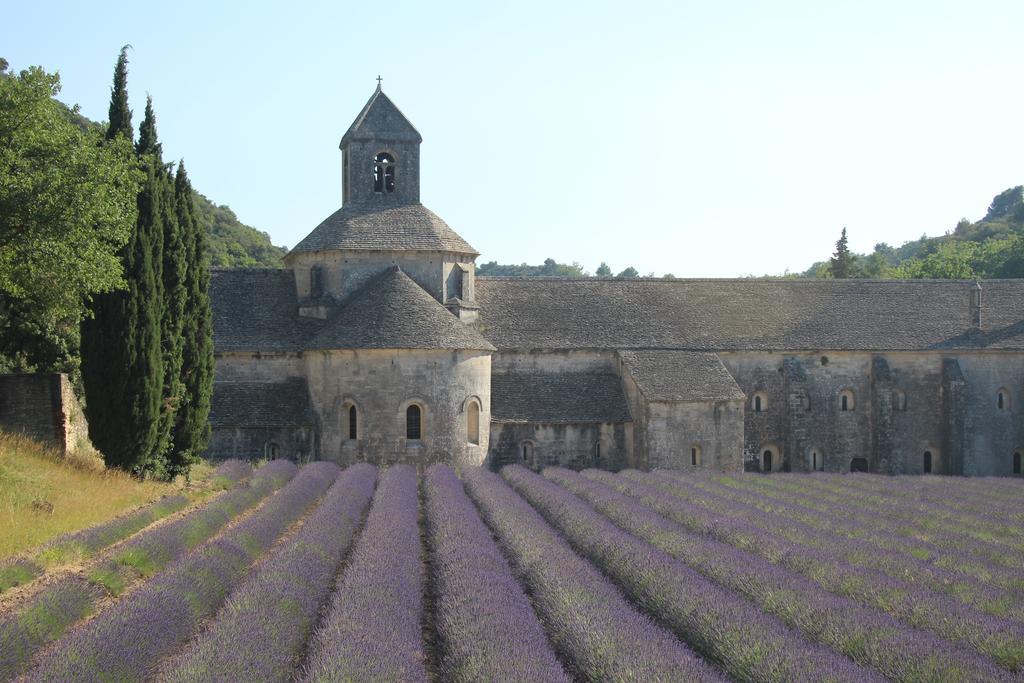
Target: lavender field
326,574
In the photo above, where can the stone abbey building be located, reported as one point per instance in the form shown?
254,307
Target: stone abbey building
378,342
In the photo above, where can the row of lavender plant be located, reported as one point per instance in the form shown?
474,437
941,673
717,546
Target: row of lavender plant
999,539
373,631
727,629
849,521
260,632
230,472
783,516
486,629
55,608
823,559
127,641
598,633
869,636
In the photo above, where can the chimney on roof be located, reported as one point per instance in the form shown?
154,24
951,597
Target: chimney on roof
976,306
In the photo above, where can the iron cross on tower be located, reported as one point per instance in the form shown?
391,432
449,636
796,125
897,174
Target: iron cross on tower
379,79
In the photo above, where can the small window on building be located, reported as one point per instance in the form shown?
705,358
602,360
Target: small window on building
1016,462
760,402
1003,399
899,400
817,460
846,401
384,173
316,282
526,450
926,464
859,465
353,426
767,460
413,416
473,423
694,456
597,450
271,451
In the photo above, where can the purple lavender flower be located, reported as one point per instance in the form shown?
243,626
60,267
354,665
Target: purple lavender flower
870,637
373,630
231,472
598,633
264,625
477,598
127,641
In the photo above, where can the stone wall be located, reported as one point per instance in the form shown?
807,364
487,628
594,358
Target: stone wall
43,407
252,443
606,445
347,271
381,384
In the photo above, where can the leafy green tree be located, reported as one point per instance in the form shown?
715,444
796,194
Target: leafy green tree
119,116
1006,203
842,261
603,270
192,426
628,273
67,206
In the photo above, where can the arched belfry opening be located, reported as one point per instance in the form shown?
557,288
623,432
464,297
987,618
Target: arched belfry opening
384,173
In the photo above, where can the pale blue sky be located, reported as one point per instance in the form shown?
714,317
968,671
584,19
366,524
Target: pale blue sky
705,139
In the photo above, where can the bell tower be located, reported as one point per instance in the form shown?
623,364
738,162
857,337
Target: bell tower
380,156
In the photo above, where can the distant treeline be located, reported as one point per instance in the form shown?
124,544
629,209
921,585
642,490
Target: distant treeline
551,268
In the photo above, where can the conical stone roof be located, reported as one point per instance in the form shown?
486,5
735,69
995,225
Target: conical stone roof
370,226
393,312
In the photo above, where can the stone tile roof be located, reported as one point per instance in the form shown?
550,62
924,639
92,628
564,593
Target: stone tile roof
369,225
681,376
747,314
256,309
392,312
261,404
380,119
564,397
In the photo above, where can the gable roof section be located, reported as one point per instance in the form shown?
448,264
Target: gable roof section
261,404
747,314
371,226
256,309
681,376
566,397
381,120
392,312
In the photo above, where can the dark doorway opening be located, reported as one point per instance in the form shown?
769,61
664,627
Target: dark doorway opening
859,465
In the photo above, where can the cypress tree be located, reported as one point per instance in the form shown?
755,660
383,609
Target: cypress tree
192,426
119,115
841,263
122,361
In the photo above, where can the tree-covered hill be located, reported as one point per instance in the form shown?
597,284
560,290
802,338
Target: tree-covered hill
992,247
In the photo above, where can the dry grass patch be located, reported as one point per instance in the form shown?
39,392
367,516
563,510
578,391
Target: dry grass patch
43,494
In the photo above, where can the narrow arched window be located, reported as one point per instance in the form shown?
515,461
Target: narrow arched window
846,401
473,423
694,456
597,450
927,464
527,450
316,282
1016,462
413,417
384,173
757,404
353,427
1003,400
271,450
817,461
766,461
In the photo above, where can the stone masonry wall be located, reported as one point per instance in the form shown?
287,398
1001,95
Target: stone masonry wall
43,407
606,445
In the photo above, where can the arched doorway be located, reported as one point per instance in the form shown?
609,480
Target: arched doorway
926,465
766,460
859,465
